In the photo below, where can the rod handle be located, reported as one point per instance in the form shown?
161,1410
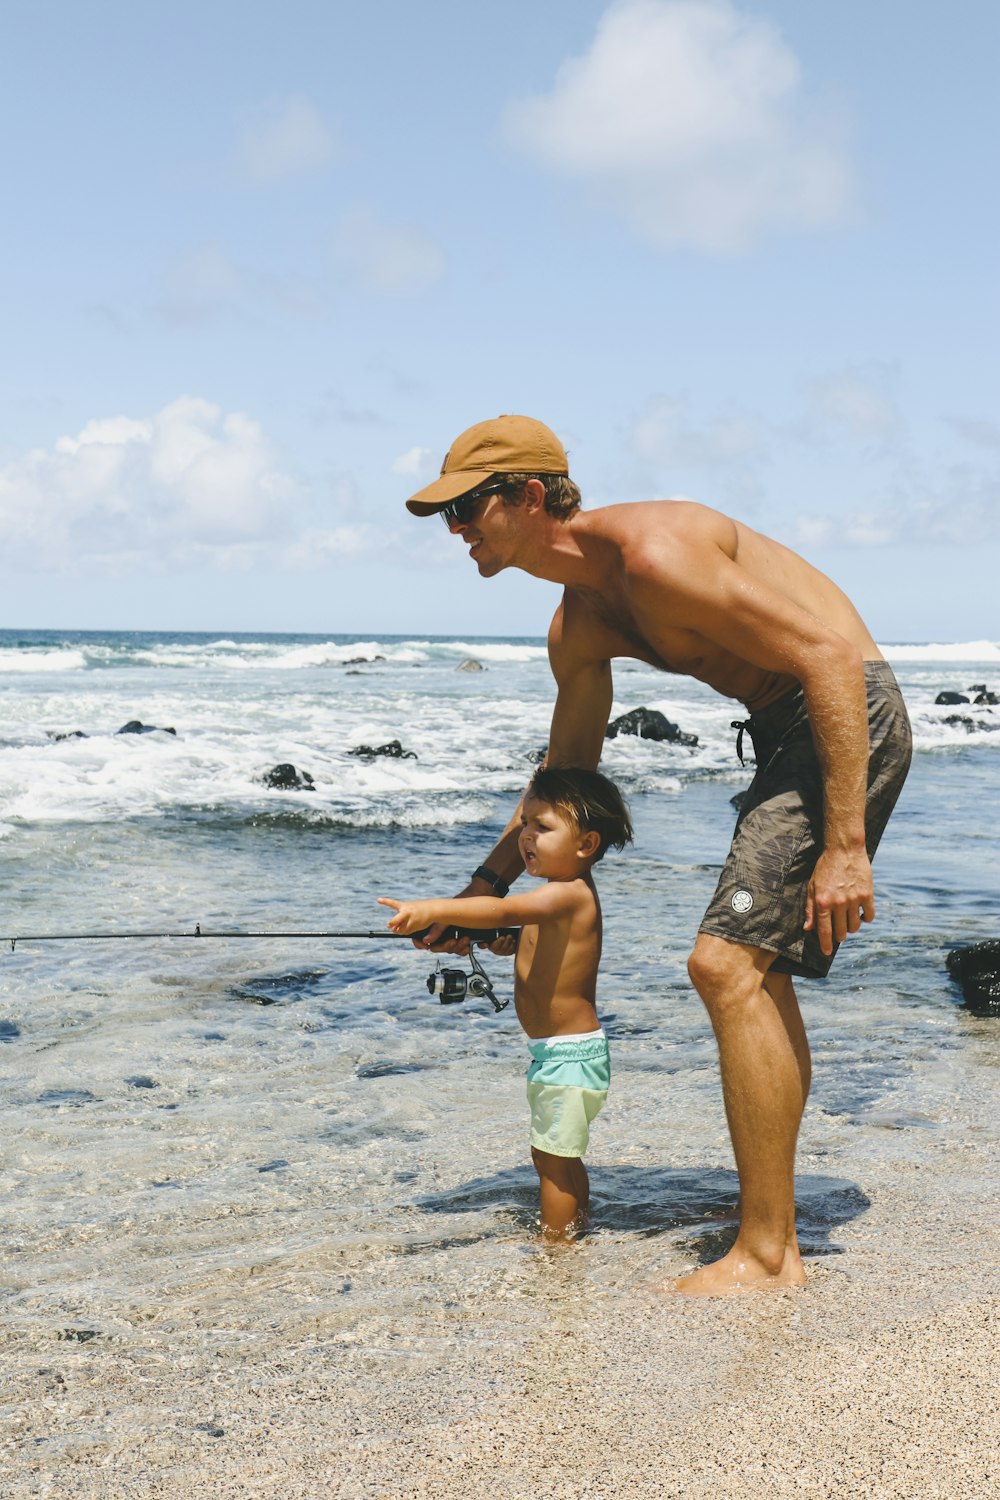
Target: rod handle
474,934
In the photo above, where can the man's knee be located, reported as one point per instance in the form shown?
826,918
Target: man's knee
722,972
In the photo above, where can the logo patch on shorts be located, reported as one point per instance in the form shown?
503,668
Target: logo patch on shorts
742,901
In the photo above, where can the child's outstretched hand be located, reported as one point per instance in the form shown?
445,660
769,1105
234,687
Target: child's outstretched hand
410,916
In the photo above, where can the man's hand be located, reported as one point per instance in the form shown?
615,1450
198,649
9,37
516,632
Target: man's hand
840,896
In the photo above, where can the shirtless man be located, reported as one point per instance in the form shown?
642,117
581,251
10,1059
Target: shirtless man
689,590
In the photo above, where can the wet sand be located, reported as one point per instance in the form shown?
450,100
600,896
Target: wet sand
282,1368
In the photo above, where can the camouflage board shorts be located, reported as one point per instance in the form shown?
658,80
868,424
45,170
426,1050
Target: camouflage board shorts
761,898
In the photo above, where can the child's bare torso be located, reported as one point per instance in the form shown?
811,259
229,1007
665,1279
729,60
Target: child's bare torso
555,973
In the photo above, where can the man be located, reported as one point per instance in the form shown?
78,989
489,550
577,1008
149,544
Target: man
687,589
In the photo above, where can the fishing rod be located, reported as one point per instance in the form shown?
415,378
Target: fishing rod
451,985
450,934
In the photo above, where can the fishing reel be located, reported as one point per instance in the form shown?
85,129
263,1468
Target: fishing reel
452,985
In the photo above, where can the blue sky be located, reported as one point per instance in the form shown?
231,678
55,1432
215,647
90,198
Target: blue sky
263,263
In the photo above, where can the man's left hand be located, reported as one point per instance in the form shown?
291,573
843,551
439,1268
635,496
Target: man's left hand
840,896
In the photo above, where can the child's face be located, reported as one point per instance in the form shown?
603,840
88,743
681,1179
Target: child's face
551,846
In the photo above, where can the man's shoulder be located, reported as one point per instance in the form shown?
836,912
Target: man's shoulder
674,510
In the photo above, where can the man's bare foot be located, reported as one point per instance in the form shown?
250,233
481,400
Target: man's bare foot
739,1272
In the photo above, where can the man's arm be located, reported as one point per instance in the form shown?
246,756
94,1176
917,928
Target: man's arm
576,738
709,593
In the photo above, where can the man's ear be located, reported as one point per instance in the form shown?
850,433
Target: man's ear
589,843
534,494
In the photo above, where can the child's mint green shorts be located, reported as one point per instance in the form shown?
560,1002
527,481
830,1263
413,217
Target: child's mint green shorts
568,1082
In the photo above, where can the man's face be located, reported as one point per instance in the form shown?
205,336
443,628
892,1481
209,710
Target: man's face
489,534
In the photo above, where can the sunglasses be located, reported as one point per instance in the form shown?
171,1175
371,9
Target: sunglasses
460,512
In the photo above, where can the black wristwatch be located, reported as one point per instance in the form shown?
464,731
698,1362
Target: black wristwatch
500,886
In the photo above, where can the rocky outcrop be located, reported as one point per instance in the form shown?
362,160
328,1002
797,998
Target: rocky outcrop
649,724
976,970
393,749
136,726
470,665
984,698
285,778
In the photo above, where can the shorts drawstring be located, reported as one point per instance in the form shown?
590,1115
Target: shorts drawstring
742,725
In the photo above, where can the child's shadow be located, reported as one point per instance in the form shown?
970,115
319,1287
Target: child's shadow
647,1201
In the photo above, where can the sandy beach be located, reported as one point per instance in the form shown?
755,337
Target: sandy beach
268,1208
284,1369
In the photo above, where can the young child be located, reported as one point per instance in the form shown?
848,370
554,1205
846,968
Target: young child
569,817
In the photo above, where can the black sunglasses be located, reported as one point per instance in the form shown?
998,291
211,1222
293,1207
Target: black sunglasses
460,512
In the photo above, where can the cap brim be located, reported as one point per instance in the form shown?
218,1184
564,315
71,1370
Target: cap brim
427,501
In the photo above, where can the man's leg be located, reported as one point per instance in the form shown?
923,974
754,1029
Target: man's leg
764,1060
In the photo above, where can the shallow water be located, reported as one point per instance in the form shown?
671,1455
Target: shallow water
226,1139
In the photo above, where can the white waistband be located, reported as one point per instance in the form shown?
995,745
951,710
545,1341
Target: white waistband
569,1036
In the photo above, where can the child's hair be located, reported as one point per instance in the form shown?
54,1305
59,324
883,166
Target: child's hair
588,800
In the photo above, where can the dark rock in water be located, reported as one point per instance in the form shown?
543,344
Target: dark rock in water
72,734
983,725
393,748
537,756
986,697
470,665
285,778
142,1081
950,697
976,971
737,798
976,687
360,661
9,1030
136,726
649,724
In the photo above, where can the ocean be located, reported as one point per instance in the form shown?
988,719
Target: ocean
224,1143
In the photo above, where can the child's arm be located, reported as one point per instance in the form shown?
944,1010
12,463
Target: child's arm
555,899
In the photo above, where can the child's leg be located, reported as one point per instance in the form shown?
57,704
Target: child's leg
564,1191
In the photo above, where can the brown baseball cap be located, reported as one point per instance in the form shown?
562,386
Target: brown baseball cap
507,445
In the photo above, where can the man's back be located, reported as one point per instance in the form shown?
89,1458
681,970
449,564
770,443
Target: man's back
691,591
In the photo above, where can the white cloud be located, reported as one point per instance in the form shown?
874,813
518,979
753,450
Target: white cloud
413,463
317,549
190,486
924,505
666,435
858,400
393,259
191,481
287,138
688,117
979,431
